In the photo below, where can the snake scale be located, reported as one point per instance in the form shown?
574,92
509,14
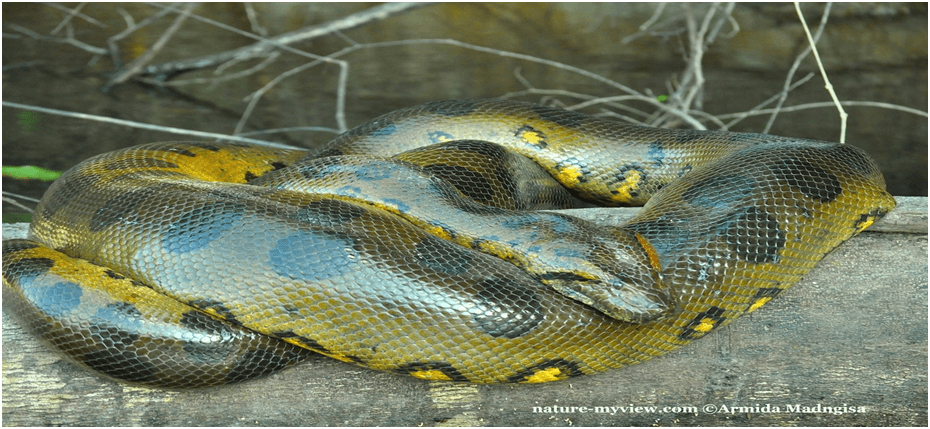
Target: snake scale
420,243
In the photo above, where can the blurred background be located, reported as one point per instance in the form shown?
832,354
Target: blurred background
673,65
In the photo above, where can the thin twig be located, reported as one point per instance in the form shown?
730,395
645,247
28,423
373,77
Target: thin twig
133,124
75,13
10,198
71,14
826,80
131,28
794,69
136,65
826,104
351,21
70,41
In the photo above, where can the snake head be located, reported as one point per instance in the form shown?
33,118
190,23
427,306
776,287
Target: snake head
624,280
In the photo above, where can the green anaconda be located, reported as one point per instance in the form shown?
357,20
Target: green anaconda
420,243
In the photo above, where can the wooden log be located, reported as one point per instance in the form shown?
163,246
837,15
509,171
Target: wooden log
846,347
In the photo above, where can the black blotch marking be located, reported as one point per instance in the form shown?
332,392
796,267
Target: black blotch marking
216,307
721,192
10,246
26,270
812,181
276,165
506,309
306,342
873,215
565,118
200,226
566,369
755,236
656,152
767,292
139,284
113,275
558,275
451,108
119,208
446,368
335,151
291,309
313,345
713,313
124,309
329,213
442,256
623,171
202,322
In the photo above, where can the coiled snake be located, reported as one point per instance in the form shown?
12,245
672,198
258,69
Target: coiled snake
416,243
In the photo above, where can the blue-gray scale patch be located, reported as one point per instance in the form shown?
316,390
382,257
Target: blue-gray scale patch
57,299
373,171
313,255
201,226
724,192
122,314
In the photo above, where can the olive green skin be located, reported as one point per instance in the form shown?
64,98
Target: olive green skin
731,221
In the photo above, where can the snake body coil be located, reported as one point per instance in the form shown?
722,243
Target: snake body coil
414,244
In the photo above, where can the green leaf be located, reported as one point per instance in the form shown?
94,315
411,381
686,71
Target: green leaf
30,172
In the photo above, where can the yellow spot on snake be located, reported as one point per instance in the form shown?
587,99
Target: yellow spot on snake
862,226
204,166
569,176
705,326
630,186
336,356
755,306
532,137
439,232
544,376
431,375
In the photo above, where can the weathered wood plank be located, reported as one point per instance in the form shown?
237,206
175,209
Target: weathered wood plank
852,334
